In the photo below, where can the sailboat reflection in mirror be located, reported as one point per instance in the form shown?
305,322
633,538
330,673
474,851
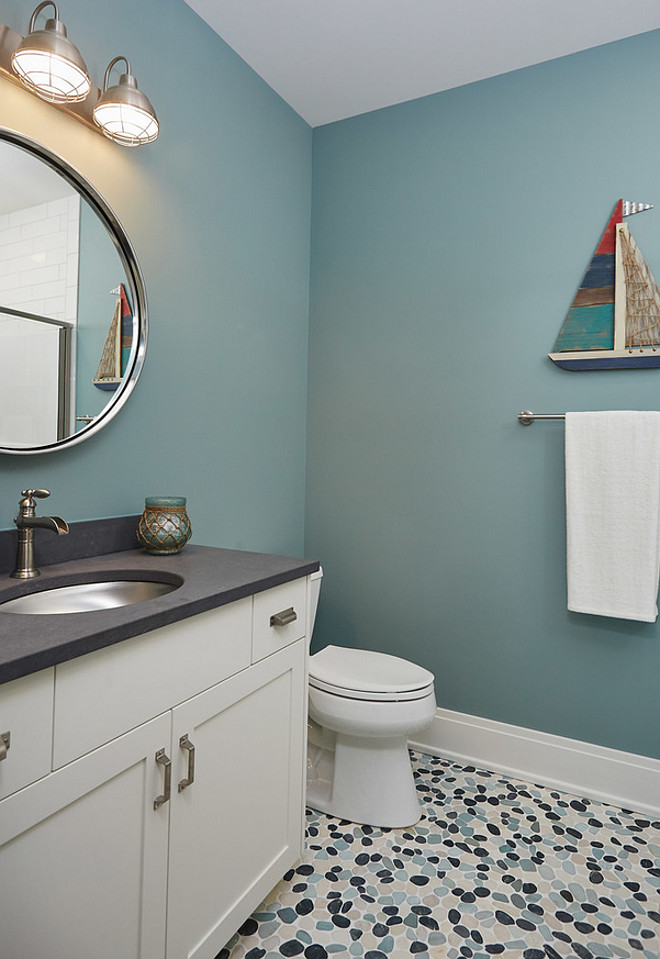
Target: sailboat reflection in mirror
117,347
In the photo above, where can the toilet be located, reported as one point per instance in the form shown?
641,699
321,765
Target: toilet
363,706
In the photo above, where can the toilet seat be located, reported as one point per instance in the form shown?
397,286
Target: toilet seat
367,675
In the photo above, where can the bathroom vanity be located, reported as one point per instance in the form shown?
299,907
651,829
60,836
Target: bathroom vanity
152,779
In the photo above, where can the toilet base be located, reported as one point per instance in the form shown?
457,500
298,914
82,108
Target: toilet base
362,779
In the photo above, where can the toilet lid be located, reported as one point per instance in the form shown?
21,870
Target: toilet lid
365,674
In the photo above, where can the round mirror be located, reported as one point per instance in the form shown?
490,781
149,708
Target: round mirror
73,312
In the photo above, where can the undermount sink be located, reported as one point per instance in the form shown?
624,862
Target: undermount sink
87,597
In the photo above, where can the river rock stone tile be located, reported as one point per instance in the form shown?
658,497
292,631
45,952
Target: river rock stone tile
495,867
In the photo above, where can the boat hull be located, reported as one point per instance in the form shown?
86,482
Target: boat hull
606,360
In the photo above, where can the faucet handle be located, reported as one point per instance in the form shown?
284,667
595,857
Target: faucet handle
27,504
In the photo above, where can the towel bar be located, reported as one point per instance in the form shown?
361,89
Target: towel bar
526,418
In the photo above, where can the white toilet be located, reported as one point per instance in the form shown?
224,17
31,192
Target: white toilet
363,706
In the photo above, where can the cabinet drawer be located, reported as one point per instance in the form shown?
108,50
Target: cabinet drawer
117,688
26,713
267,636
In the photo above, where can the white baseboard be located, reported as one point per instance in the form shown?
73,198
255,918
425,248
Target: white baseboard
593,772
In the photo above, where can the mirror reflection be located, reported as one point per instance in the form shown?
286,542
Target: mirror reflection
67,328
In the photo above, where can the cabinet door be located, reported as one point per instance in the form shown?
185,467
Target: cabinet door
83,856
236,830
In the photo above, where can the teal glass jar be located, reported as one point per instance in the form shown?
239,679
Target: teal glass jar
164,526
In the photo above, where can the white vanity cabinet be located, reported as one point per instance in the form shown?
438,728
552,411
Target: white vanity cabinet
156,829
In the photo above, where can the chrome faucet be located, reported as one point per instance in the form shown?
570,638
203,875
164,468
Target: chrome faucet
27,522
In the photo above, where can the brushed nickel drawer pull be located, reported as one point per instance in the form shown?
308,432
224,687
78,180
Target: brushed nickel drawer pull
162,760
185,743
284,618
4,744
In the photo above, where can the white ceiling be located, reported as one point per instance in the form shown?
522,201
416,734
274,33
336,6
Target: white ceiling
332,59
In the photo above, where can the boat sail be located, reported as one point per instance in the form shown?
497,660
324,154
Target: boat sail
117,346
614,320
108,375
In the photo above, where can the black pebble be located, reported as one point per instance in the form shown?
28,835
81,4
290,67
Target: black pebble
503,917
315,951
291,948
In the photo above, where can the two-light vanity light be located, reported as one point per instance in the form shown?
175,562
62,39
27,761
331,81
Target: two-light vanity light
50,65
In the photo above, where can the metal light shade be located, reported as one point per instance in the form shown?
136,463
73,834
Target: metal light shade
49,64
123,112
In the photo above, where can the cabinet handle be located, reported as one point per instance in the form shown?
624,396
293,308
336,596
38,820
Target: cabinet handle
284,618
185,743
4,744
162,760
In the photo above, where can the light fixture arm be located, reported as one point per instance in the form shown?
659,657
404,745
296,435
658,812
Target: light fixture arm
46,3
106,78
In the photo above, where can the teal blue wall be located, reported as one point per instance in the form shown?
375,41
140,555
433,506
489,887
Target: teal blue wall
218,210
449,236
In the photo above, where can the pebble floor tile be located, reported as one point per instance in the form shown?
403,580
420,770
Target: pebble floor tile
495,867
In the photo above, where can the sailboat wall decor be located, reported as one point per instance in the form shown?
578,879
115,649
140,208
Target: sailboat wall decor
614,320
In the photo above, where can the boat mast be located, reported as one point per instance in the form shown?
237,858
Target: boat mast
619,289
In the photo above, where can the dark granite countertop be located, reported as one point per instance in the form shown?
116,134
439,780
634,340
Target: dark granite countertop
211,577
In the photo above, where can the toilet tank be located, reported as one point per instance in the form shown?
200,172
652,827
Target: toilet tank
313,590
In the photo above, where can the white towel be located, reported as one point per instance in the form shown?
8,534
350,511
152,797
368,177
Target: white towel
613,513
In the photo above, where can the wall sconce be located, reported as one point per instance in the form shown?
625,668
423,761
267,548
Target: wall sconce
49,64
123,112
